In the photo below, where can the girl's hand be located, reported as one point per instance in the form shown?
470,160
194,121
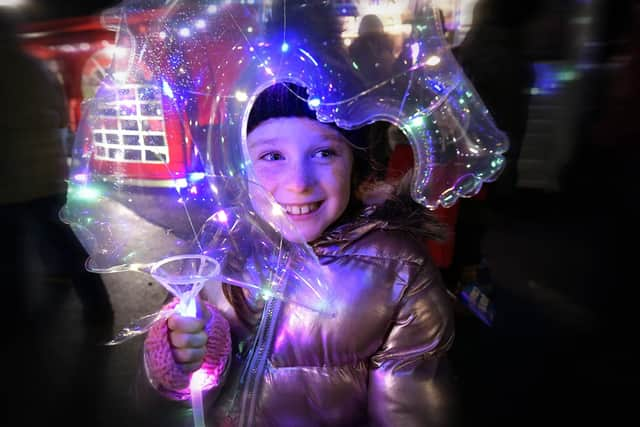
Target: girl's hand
176,348
188,338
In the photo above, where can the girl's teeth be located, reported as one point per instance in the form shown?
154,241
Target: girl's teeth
300,210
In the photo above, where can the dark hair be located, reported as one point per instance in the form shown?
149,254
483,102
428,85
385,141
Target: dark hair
290,100
370,24
279,100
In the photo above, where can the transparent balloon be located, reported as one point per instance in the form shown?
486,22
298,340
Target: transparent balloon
160,166
161,180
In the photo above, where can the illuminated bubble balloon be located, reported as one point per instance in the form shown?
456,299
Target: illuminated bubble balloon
161,180
160,167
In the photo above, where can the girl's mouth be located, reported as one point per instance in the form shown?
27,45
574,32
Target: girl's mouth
303,209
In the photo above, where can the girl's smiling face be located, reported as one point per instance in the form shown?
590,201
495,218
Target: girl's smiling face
306,166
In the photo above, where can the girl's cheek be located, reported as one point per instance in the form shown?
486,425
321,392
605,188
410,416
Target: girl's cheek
266,176
260,170
341,173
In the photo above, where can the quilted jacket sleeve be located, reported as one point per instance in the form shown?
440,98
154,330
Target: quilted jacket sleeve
409,381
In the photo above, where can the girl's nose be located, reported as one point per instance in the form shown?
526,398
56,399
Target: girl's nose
300,177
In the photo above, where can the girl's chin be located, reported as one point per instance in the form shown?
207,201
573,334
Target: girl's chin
300,236
297,237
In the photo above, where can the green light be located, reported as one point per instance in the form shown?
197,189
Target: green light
461,101
496,163
468,94
87,193
417,122
355,65
567,75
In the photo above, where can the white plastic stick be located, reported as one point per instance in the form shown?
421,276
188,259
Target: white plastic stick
196,404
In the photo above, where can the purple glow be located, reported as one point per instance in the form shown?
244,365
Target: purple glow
81,177
202,379
415,51
280,340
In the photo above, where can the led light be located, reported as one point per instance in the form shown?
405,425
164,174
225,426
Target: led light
309,56
166,89
196,176
433,60
415,52
220,216
314,102
417,122
81,177
267,294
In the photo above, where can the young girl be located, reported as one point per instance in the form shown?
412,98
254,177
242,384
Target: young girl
381,360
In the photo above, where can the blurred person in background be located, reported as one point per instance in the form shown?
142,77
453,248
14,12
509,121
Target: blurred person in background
373,49
33,125
373,53
493,57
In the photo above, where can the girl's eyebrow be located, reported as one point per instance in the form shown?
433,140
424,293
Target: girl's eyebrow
328,135
258,141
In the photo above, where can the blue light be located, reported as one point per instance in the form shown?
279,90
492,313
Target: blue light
549,78
196,176
436,86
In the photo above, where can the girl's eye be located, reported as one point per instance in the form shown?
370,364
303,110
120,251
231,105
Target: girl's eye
271,156
324,154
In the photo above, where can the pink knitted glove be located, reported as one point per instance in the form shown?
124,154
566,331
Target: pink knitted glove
165,374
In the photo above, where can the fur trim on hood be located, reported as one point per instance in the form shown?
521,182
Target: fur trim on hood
389,207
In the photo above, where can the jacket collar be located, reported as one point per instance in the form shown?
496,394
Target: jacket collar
348,231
